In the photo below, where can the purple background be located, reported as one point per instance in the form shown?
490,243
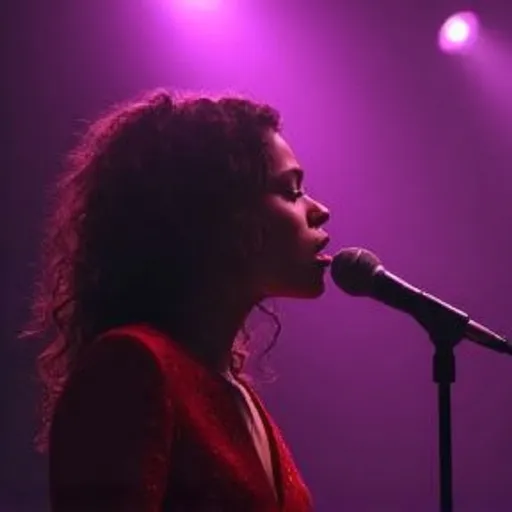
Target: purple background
410,148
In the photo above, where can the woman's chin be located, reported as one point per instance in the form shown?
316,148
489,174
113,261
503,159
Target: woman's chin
310,290
309,283
313,293
315,287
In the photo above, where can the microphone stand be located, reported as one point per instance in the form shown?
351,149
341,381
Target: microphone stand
444,376
445,331
446,327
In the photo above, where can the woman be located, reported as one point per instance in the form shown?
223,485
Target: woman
176,217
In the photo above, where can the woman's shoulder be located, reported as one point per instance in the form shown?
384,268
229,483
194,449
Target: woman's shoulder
130,354
141,349
137,340
122,355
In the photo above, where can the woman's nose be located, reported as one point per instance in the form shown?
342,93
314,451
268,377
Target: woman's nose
319,214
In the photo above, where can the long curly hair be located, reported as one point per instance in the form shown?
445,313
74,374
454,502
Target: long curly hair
158,193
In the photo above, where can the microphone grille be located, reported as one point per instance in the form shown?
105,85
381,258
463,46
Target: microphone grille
353,269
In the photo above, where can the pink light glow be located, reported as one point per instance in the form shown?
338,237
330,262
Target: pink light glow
459,32
203,5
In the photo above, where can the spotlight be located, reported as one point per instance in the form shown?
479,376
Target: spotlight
459,32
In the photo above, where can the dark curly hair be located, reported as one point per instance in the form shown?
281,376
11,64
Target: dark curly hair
159,193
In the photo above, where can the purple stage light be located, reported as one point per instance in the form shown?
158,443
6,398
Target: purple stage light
459,32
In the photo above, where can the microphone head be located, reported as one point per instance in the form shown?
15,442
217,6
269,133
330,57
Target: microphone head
353,270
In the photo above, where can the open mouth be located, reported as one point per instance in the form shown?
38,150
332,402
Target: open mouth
321,257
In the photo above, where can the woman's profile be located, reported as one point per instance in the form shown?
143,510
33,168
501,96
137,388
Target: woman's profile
175,217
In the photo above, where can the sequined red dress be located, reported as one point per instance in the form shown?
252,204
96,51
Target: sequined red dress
141,426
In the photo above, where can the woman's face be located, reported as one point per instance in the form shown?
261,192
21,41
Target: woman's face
290,263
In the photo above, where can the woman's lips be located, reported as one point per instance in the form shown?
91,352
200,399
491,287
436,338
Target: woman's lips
323,259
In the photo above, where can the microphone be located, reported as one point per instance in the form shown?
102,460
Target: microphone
360,273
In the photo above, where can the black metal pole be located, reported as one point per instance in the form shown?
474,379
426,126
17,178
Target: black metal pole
444,376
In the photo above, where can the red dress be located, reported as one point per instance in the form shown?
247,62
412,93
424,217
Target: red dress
141,426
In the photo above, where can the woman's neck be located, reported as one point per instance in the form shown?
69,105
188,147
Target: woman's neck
208,329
